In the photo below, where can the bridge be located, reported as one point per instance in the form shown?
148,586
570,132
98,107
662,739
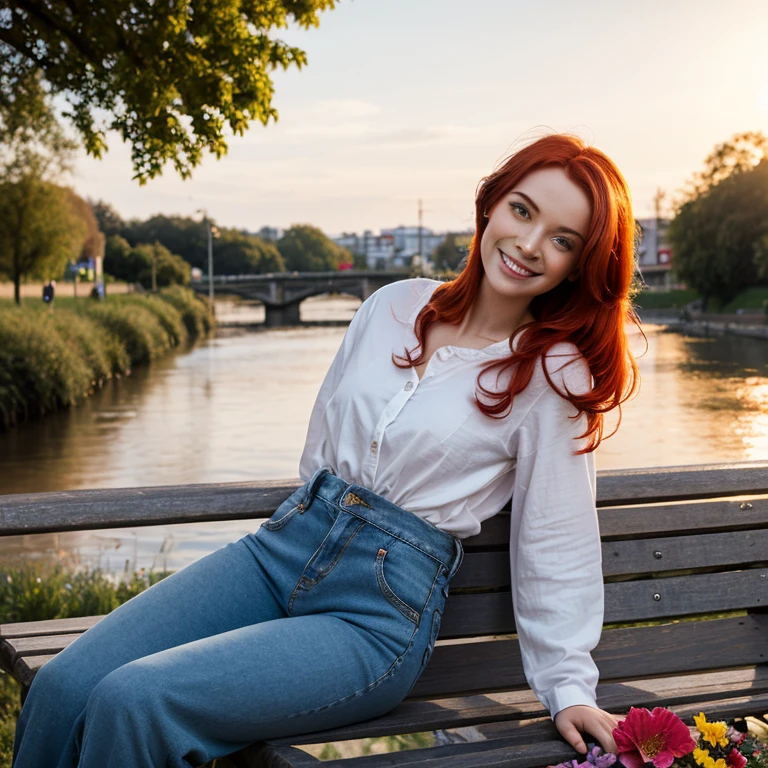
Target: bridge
282,294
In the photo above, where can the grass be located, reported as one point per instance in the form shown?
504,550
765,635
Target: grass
51,360
35,592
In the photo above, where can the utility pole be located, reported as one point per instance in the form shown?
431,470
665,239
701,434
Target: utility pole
421,213
658,198
210,263
210,229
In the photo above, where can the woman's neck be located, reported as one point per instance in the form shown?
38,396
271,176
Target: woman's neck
494,317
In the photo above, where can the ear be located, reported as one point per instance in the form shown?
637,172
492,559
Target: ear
573,276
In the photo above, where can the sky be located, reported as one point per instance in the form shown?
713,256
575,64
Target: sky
404,100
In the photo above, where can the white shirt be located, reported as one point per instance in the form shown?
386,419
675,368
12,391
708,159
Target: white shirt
427,447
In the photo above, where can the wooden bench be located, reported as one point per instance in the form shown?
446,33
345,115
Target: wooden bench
685,558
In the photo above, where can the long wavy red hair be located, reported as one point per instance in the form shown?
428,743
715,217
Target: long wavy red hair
590,312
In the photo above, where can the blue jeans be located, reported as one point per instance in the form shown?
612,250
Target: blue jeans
325,616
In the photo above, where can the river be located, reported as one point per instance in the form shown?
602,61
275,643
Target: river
236,406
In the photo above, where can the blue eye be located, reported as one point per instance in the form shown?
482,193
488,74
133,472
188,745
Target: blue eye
518,207
566,243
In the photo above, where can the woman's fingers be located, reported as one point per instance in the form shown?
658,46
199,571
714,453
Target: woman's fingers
596,722
571,734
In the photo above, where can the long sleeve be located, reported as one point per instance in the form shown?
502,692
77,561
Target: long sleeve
555,553
315,429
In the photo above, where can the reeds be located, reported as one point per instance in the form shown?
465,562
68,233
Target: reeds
54,360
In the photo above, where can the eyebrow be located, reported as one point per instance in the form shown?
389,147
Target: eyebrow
536,208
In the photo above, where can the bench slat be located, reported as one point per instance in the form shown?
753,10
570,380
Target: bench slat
635,557
511,751
25,513
644,521
511,706
48,627
474,615
493,665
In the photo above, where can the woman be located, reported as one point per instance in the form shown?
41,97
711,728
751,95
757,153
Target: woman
443,400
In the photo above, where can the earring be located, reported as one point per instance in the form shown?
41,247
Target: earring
485,214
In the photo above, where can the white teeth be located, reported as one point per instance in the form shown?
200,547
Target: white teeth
511,264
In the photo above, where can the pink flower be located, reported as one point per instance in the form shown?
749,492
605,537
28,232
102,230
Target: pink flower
735,759
735,736
656,737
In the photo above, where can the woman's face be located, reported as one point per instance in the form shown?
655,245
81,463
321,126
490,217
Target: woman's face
535,234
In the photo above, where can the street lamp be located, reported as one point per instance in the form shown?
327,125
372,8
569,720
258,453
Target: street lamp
212,232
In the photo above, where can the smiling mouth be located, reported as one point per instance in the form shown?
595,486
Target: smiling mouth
515,267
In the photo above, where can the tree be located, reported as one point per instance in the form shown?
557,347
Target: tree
134,264
239,253
448,254
170,269
40,230
41,226
305,248
718,233
108,219
171,78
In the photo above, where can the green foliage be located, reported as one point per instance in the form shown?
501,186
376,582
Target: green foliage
40,229
50,361
171,78
238,253
449,253
10,693
719,232
234,252
40,372
137,328
42,225
195,314
305,248
676,299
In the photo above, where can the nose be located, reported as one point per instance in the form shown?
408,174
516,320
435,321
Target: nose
529,244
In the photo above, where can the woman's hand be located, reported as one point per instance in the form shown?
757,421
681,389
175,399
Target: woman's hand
596,722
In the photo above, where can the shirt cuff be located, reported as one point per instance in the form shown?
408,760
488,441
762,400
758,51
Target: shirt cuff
567,696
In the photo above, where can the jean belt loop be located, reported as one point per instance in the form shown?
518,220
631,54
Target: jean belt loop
314,483
458,559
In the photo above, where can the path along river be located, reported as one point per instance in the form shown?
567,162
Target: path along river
236,407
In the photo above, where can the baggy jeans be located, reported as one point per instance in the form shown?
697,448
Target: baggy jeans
325,616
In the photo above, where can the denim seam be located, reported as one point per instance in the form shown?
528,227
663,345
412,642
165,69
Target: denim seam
276,525
406,610
376,682
320,573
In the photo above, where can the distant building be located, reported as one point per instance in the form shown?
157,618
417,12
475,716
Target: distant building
654,255
379,250
407,243
270,234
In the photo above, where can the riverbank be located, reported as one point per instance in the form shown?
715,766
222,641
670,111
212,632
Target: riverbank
52,358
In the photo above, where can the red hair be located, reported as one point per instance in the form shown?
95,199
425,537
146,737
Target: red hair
590,312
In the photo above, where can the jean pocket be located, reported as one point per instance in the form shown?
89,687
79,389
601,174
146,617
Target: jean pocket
286,511
405,577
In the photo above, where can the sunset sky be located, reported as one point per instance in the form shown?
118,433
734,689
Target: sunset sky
409,99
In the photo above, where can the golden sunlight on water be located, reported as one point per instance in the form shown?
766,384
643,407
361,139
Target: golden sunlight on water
236,408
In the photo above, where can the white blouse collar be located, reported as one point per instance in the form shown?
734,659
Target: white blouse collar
497,349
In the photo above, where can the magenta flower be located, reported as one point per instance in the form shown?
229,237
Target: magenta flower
656,737
735,759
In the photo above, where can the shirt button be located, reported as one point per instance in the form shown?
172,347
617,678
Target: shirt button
408,386
374,446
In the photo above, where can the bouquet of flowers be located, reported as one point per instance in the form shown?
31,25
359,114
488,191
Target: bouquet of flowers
660,739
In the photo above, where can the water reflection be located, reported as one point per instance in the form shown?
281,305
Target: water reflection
236,408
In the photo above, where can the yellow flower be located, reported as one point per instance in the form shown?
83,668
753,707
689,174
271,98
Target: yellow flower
702,758
714,733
